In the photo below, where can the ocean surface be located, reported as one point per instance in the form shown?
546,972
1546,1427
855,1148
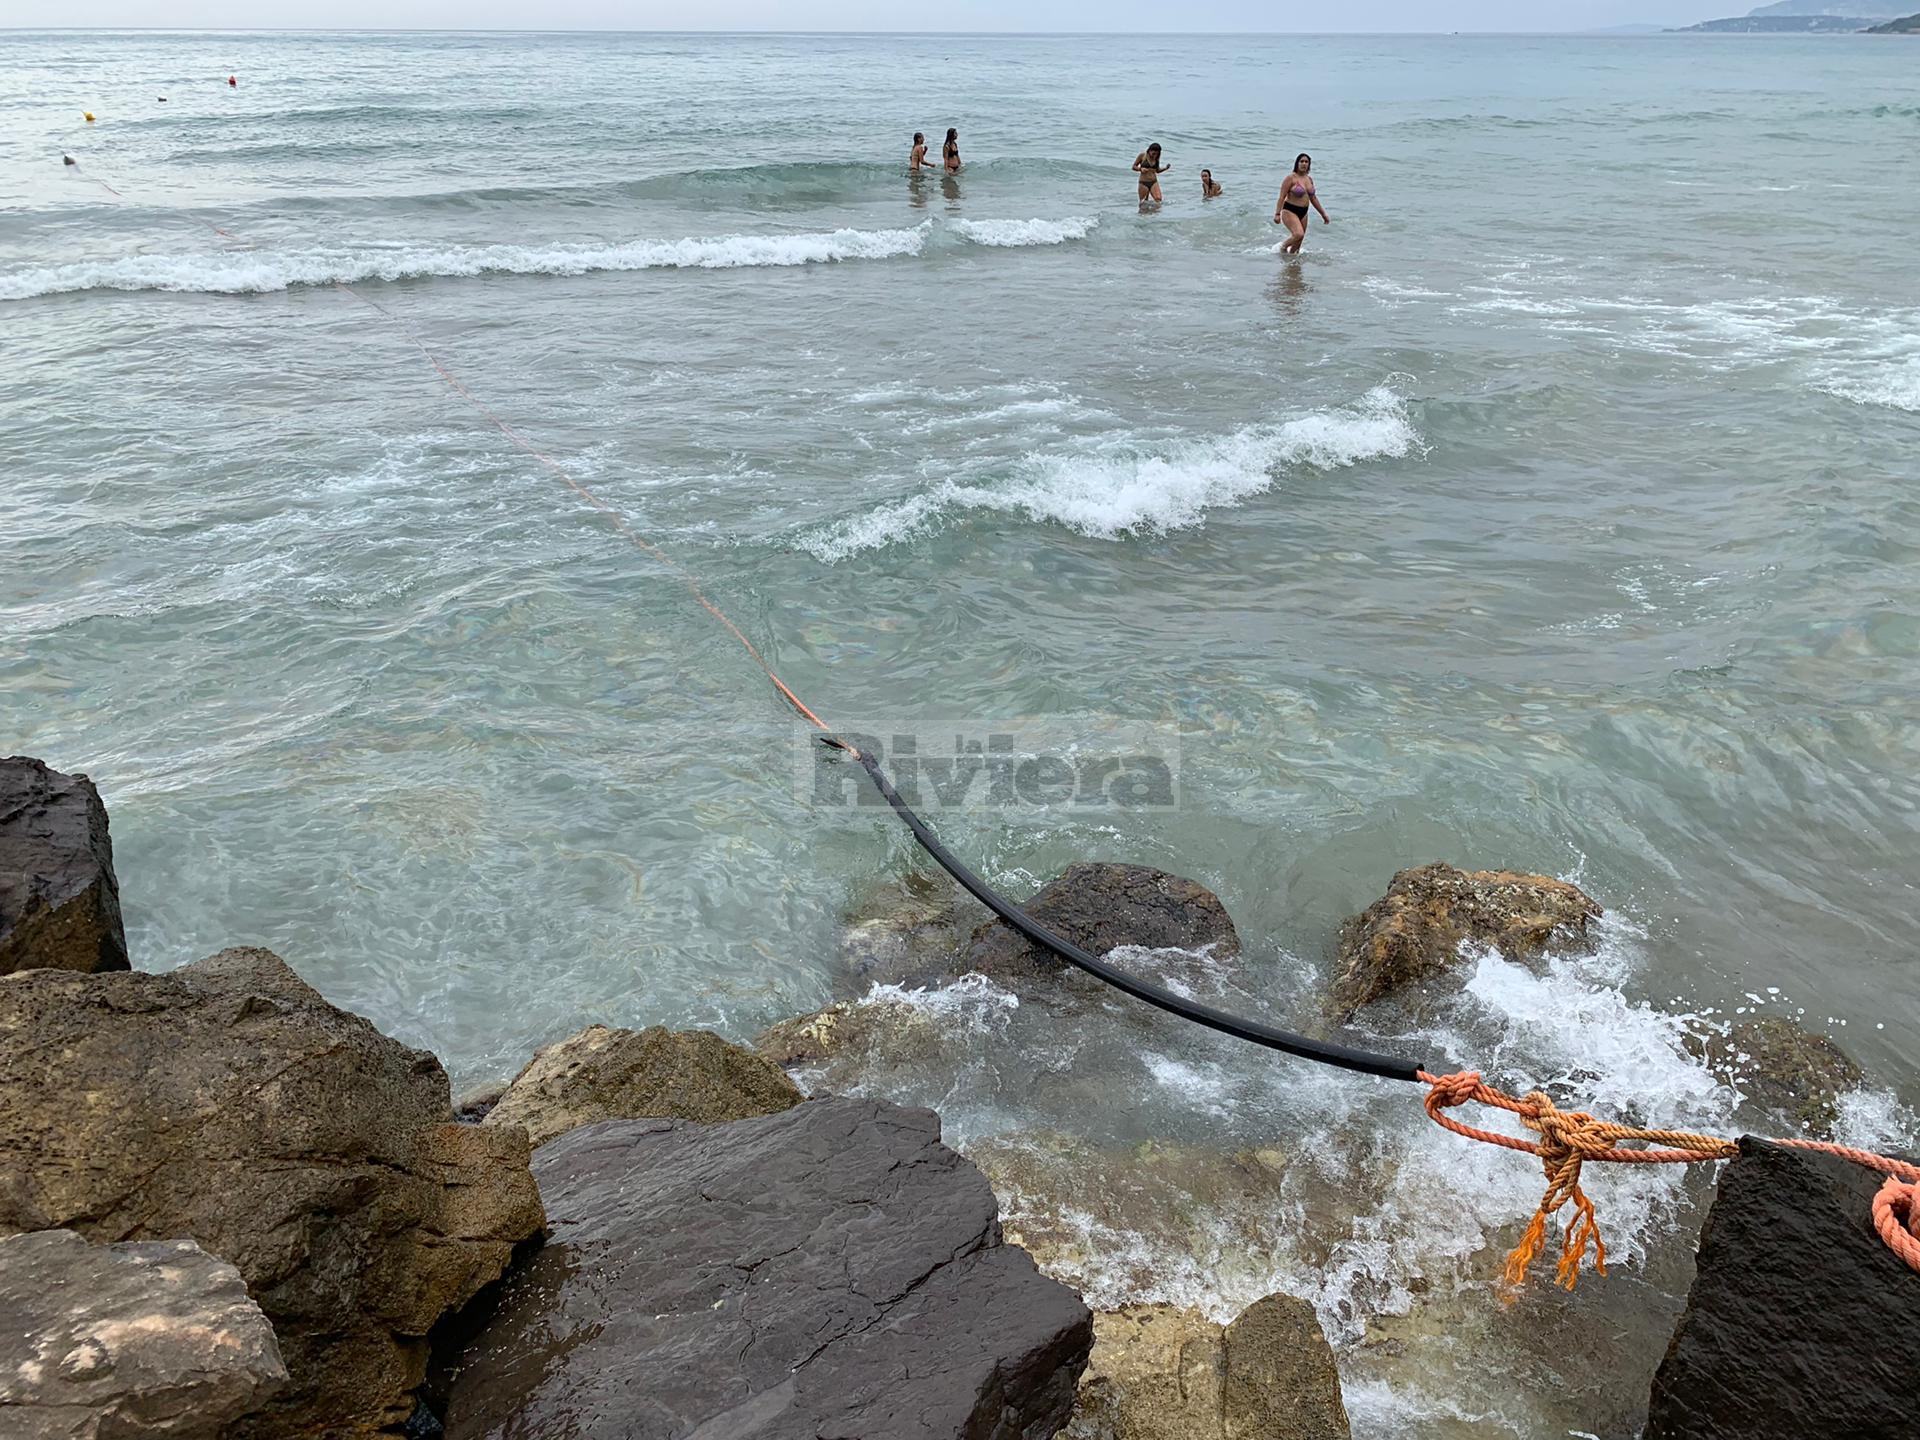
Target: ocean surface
1557,509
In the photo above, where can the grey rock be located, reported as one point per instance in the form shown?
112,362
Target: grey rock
1416,929
1801,1320
59,901
229,1103
606,1074
1783,1067
116,1342
829,1271
1099,907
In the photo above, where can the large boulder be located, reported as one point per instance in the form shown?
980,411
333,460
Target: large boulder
59,901
228,1102
831,1270
1102,906
121,1342
1416,929
1801,1320
604,1074
1157,1373
1783,1067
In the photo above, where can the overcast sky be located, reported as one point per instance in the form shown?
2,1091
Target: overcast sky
950,15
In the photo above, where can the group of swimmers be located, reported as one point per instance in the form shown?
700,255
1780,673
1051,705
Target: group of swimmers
1297,191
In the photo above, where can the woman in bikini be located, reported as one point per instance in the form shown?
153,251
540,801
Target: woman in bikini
917,156
1295,196
1148,167
950,152
1209,187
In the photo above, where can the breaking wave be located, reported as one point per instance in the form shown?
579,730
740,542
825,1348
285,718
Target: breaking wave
1116,489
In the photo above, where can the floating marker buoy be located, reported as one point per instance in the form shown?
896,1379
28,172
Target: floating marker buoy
69,160
233,82
161,98
89,115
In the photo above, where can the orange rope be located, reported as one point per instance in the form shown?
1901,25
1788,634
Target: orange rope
1570,1138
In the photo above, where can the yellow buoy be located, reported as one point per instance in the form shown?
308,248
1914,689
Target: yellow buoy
89,115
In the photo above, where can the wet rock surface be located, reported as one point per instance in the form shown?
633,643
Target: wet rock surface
59,900
1783,1067
910,931
1157,1373
1801,1320
229,1103
1415,930
607,1074
117,1342
831,1270
1100,907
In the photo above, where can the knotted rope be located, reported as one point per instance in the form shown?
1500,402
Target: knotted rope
1570,1138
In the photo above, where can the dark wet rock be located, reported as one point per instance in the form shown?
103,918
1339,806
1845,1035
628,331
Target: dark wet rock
1783,1067
59,901
1801,1320
1157,1373
116,1342
831,1270
1416,929
606,1074
1100,907
229,1103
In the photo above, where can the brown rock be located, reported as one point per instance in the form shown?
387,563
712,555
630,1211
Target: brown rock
1416,929
604,1074
229,1102
59,901
1099,907
114,1342
1157,1373
1783,1067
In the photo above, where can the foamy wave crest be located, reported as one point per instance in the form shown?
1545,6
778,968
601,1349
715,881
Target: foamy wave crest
252,273
1120,489
1895,386
1025,232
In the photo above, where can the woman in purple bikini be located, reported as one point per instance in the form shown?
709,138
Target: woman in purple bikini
1295,196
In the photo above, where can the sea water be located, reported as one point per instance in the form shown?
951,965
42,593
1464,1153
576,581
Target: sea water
1555,509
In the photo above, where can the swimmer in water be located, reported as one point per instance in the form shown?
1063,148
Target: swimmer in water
917,157
950,152
1148,167
1296,194
1209,187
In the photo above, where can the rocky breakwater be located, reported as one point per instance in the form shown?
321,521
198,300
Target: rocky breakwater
229,1104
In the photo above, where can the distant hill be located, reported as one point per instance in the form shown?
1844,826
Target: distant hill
1783,25
1909,25
1870,9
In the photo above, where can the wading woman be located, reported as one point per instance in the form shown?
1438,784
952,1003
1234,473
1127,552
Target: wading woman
950,152
1296,194
1148,167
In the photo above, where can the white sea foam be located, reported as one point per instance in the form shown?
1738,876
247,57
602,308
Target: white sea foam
1115,488
258,272
1025,232
1892,384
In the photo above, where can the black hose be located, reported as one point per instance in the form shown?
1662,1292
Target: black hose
1341,1056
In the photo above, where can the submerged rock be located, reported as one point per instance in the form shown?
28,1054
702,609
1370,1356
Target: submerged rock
908,931
1100,907
1801,1320
229,1102
606,1074
1157,1373
59,901
114,1342
1416,929
1783,1067
832,1269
